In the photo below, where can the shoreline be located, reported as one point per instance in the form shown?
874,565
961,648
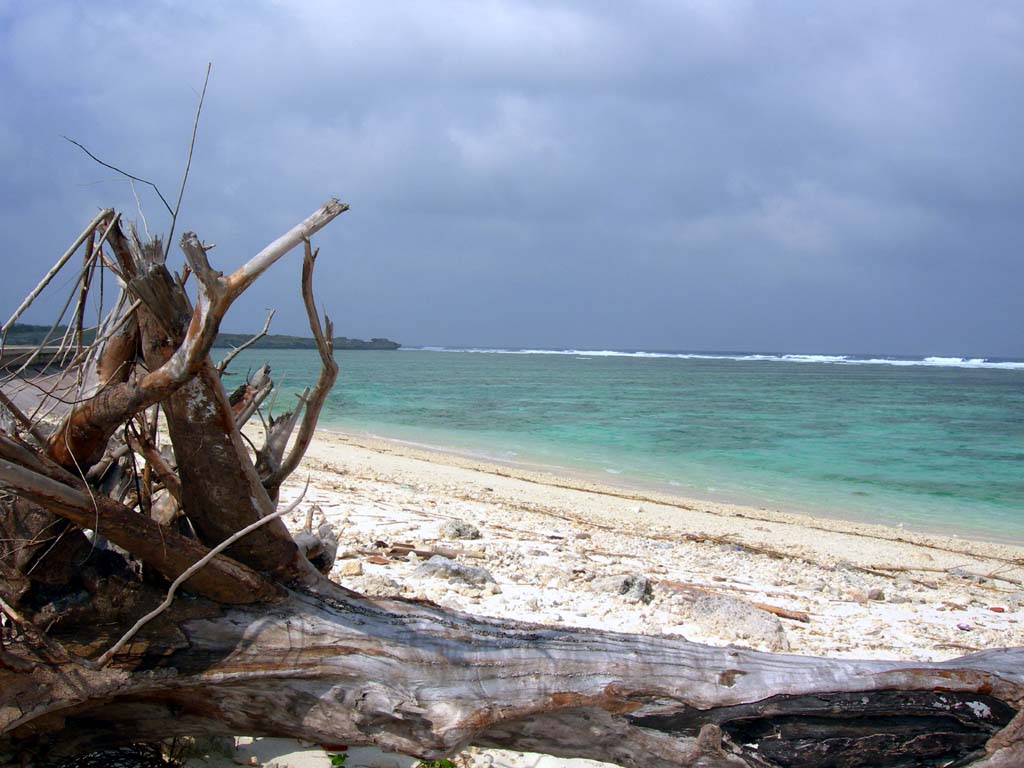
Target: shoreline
571,479
552,546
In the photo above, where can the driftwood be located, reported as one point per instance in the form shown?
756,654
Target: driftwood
100,523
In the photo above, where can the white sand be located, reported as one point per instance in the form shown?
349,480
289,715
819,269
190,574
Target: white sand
546,538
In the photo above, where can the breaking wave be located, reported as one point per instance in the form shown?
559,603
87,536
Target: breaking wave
935,362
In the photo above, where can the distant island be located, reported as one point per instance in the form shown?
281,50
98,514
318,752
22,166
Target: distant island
28,334
281,341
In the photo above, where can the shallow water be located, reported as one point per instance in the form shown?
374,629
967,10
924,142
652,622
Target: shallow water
936,445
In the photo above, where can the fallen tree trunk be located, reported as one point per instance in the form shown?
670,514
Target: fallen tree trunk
332,667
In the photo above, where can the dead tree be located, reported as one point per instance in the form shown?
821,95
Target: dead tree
98,520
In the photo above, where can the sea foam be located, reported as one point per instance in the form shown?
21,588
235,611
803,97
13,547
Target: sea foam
933,361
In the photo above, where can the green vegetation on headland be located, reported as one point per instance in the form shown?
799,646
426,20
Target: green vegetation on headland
281,341
24,333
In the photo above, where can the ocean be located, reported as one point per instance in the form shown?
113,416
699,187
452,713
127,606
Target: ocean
934,444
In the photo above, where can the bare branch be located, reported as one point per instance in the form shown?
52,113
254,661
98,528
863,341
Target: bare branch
328,375
88,266
30,358
55,652
188,162
258,389
279,430
140,442
55,269
97,419
166,551
32,426
217,293
241,278
103,660
223,364
123,173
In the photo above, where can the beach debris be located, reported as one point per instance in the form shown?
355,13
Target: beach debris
632,587
378,585
961,573
348,568
997,609
690,593
405,551
440,567
857,596
738,621
459,529
320,548
783,613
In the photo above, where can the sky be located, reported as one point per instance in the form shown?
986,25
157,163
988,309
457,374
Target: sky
832,177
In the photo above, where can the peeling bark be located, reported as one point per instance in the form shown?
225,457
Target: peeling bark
332,667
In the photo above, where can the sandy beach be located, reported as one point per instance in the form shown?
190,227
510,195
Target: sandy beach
545,539
559,550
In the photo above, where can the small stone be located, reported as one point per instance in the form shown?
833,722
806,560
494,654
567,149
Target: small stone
632,587
349,568
459,529
876,594
376,585
439,567
734,619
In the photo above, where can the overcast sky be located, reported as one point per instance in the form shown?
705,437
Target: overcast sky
708,175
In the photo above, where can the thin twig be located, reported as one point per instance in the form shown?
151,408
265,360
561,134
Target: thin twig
188,162
56,651
223,364
89,260
48,394
55,269
49,334
123,173
103,660
138,206
29,424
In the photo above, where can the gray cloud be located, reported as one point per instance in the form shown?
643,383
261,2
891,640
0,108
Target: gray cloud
693,175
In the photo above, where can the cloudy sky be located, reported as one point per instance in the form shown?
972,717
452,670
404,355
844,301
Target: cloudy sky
698,175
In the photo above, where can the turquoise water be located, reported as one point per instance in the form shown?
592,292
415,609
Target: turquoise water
935,444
